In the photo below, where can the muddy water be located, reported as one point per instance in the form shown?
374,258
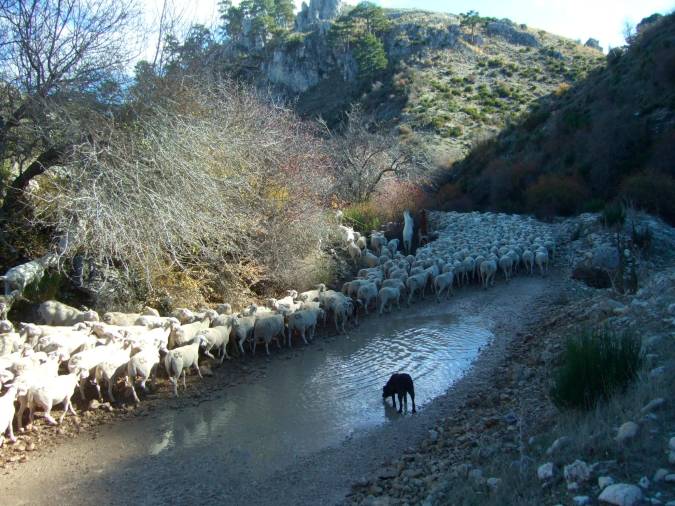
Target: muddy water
328,392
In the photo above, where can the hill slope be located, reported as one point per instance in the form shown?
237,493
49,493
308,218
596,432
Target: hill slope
612,135
446,84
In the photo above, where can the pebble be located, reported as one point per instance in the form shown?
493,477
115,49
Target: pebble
433,435
657,372
670,478
577,472
653,405
476,475
627,432
558,444
671,443
605,481
545,471
659,475
581,500
621,494
671,457
644,482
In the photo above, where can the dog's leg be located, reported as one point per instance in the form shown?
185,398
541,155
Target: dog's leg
412,396
400,403
393,400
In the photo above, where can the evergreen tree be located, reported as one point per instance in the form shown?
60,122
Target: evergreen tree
370,56
284,14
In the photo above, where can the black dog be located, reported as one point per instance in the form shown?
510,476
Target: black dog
400,384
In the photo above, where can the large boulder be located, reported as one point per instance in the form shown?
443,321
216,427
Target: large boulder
315,13
593,44
621,494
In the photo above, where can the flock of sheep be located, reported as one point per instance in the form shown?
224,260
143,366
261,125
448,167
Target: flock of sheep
45,365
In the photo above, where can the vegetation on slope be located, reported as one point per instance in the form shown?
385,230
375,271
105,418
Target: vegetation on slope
610,136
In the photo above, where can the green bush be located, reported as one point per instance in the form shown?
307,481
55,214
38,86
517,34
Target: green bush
363,216
613,215
596,364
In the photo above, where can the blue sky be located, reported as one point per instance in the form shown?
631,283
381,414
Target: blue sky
576,19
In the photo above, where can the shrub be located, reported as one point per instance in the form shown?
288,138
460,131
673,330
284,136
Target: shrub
363,216
596,364
613,215
651,191
555,195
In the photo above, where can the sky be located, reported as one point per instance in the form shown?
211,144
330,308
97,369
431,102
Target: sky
576,19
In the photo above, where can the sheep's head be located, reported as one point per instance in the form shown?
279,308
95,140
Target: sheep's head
90,316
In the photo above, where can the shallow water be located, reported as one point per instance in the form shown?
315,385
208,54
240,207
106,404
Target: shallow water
320,397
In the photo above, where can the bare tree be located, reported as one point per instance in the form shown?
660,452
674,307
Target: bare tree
224,182
366,154
52,50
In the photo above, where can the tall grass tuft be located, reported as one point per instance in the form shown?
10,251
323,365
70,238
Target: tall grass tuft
596,364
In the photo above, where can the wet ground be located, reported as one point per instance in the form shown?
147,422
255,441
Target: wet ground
300,431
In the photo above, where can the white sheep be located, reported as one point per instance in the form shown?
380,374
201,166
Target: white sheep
224,309
183,315
142,365
367,293
122,319
7,414
6,326
178,360
266,328
114,365
528,260
443,282
392,246
415,283
242,327
488,269
354,252
541,259
386,297
305,320
53,312
312,295
58,390
184,334
506,266
216,337
154,322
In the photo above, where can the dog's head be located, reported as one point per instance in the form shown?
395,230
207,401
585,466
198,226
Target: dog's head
387,390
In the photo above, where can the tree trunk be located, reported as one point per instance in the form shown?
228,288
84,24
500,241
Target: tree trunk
43,162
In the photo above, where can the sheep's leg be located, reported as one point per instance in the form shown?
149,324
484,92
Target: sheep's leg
184,373
48,415
302,334
133,391
267,348
10,431
209,354
19,415
65,410
174,383
199,373
81,387
110,389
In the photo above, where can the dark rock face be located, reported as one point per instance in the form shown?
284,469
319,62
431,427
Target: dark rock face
315,13
593,44
509,32
591,276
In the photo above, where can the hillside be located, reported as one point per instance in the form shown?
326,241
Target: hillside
446,83
609,136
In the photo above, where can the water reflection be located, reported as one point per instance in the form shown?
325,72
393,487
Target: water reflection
328,392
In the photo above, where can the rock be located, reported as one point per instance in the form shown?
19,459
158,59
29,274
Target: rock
657,372
388,473
653,405
670,478
476,475
205,370
605,257
593,44
671,443
671,309
93,404
545,471
30,446
621,494
671,457
433,435
558,444
605,481
511,418
595,278
659,475
508,31
493,483
581,500
577,472
644,482
627,432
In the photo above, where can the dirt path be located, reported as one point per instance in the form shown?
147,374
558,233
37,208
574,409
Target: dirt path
117,465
